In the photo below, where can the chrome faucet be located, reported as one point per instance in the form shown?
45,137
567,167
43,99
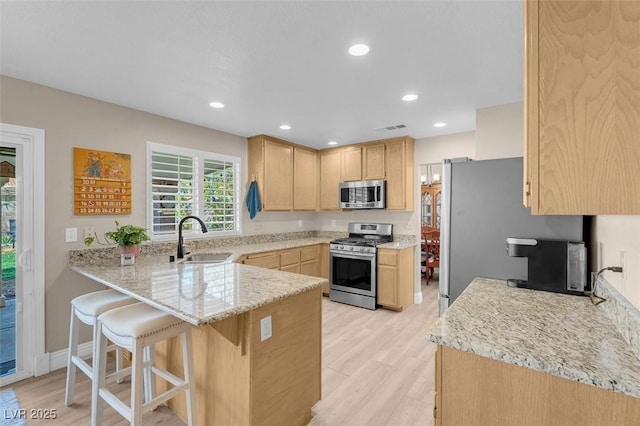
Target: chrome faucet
180,241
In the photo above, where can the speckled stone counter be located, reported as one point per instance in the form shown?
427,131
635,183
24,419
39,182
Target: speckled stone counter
197,293
563,335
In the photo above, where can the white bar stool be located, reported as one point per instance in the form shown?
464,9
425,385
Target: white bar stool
86,308
138,328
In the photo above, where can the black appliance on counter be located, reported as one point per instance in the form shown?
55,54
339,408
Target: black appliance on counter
353,264
559,266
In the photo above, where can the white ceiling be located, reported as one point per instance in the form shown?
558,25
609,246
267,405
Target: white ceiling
277,62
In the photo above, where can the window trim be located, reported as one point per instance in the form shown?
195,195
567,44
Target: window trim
200,155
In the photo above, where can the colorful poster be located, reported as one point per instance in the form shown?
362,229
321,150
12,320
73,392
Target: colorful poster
102,182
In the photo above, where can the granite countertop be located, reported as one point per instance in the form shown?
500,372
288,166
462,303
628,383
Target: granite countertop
197,293
564,335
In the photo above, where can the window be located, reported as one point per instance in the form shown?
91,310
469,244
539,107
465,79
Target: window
184,182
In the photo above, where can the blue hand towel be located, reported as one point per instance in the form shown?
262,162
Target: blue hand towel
253,200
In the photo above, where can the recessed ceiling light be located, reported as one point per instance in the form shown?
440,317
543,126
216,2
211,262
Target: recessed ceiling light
332,143
216,105
440,124
359,49
285,127
410,97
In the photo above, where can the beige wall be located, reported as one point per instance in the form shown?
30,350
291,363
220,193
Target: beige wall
437,148
75,121
499,131
613,235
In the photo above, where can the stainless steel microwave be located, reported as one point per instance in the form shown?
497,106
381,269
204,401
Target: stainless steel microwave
365,194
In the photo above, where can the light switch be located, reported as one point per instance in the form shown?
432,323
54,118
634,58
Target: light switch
265,328
71,235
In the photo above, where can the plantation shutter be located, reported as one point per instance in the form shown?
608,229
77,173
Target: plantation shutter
172,189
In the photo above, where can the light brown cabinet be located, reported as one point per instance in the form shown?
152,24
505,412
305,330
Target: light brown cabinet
373,167
395,278
305,179
324,267
582,107
305,260
496,393
351,166
286,174
310,260
399,173
330,179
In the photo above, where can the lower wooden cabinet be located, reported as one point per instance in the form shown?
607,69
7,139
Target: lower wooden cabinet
305,260
471,389
324,267
395,278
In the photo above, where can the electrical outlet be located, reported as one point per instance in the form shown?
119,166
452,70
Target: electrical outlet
71,235
88,231
257,226
623,263
265,328
300,224
333,223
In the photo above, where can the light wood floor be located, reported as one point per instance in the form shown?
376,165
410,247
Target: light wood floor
377,369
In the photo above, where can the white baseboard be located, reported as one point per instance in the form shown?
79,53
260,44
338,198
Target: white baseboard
417,297
58,359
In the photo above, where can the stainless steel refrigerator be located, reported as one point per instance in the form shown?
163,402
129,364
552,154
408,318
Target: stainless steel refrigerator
481,207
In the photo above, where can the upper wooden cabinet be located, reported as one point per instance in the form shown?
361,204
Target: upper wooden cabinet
351,169
373,166
582,107
286,174
329,179
305,179
399,173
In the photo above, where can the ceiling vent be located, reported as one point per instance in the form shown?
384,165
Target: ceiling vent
390,128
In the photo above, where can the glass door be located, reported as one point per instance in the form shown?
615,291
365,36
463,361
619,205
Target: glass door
21,253
8,235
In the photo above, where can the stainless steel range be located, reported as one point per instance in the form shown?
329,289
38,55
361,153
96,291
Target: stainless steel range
353,264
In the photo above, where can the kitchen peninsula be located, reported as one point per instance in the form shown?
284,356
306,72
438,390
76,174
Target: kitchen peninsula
518,356
243,375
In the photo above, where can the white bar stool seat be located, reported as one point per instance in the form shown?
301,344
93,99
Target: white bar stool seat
86,308
137,328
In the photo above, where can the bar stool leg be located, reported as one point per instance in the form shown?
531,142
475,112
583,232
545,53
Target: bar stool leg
99,375
188,375
73,351
149,377
137,380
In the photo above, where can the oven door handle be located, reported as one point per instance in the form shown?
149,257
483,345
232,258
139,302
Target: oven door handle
351,255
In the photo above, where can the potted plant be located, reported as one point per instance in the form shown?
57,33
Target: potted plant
128,238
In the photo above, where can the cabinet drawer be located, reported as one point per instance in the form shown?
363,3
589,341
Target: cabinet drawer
387,258
289,257
308,253
263,260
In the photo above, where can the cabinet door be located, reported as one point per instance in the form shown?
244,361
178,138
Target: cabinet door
330,180
373,162
310,260
277,189
400,179
388,286
289,257
324,266
305,179
351,163
582,102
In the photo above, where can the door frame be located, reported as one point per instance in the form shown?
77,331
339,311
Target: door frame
36,361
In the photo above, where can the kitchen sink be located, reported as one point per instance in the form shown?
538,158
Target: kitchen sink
206,258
